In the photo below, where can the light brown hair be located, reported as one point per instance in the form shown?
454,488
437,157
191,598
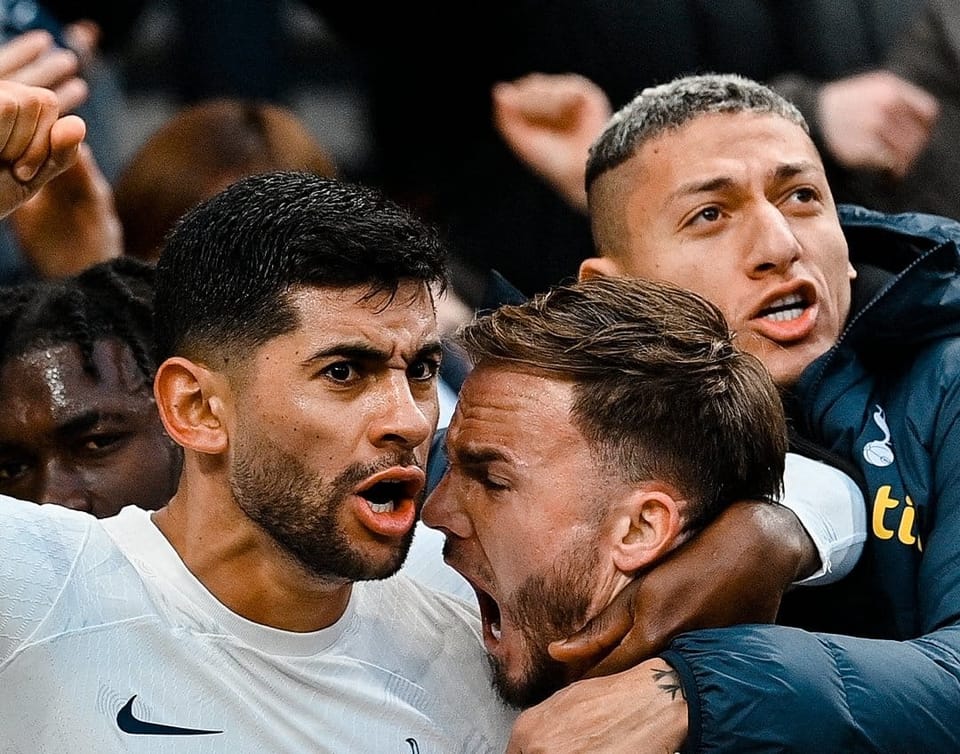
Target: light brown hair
660,391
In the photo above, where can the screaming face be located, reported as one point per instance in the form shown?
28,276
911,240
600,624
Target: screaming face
526,522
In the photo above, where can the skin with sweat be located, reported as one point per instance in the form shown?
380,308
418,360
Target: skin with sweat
92,443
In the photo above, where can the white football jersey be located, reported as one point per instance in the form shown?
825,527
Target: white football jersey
108,643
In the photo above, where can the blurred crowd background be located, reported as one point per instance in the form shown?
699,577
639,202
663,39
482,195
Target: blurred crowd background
401,96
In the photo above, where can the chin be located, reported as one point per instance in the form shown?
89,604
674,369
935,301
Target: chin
539,681
386,568
386,560
786,371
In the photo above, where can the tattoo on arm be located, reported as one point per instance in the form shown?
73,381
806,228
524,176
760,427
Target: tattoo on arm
668,680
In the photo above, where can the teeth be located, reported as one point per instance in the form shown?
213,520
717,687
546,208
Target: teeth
495,631
785,308
784,315
381,507
793,298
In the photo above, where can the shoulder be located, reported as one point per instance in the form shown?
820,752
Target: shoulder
416,600
41,545
919,225
434,639
38,534
57,560
416,621
931,388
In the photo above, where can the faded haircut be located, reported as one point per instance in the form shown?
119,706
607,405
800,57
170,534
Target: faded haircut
659,390
669,106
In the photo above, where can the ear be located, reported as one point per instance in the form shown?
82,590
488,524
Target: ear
192,402
594,267
647,527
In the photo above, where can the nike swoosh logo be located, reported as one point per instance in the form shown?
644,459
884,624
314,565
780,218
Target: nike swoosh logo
128,723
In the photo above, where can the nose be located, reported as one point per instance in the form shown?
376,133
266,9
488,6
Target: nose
773,245
442,510
60,483
407,417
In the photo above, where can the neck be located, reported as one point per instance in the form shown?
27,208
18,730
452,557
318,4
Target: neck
242,566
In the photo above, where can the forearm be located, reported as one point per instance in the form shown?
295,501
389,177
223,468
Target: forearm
736,570
775,689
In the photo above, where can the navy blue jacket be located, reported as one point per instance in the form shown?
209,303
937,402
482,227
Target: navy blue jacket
887,396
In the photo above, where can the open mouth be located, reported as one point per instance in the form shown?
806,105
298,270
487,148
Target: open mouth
386,502
382,497
489,614
785,308
386,492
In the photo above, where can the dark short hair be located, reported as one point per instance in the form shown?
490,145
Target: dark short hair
659,390
227,269
108,300
669,106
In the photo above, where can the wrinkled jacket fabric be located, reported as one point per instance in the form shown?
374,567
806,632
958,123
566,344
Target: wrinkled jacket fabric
887,396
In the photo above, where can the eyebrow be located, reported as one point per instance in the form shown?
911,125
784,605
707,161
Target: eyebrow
363,351
433,348
701,187
86,421
476,456
790,169
74,426
783,171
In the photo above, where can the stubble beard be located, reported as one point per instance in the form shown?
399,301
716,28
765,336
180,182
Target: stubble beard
545,608
299,511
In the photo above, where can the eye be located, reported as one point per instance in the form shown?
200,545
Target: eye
424,369
705,216
476,475
490,482
802,201
340,371
494,485
12,470
100,442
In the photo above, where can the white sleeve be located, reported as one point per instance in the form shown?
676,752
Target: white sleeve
830,506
